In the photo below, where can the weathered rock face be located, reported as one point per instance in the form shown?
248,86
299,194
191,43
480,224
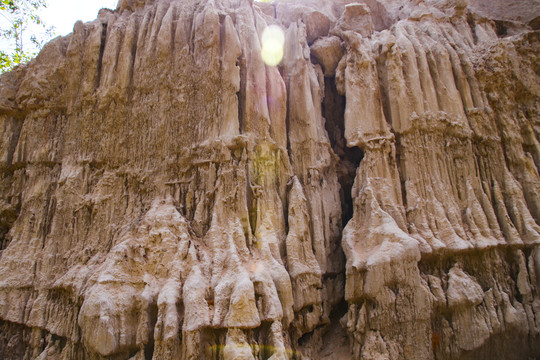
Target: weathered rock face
167,195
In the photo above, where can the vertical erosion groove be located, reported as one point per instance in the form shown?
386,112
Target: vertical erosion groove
17,124
10,212
101,52
350,157
333,109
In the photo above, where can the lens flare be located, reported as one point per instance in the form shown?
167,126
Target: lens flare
273,39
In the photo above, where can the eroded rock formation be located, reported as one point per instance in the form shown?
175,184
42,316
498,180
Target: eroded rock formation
167,195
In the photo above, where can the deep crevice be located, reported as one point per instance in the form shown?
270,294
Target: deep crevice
382,75
17,124
101,52
152,316
133,50
333,108
241,94
7,218
401,170
501,28
472,25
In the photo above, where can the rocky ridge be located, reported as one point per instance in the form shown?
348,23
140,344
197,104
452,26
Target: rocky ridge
167,195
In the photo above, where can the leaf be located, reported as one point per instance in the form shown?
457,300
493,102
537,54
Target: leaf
24,45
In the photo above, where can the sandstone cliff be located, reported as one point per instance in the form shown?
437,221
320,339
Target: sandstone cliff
167,195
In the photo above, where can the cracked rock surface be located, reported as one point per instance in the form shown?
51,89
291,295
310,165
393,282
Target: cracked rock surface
165,194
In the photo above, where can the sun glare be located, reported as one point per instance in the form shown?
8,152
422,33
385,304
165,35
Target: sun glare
273,39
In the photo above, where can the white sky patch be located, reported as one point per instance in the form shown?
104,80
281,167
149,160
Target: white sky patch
63,14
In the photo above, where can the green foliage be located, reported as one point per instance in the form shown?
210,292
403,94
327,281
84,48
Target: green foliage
17,16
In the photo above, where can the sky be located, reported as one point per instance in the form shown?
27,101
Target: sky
63,14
